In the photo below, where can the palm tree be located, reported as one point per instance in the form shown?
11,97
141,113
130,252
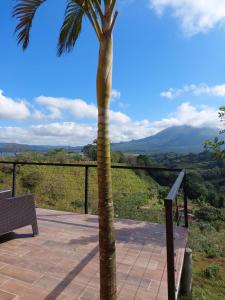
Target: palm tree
102,16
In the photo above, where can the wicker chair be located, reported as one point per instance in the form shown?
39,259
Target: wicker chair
17,212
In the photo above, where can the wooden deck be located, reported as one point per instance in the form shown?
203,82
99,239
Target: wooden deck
62,262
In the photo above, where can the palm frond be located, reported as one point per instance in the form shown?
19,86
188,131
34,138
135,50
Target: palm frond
71,26
97,4
25,11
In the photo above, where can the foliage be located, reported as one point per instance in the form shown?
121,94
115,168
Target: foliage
206,239
31,180
222,117
90,151
63,188
217,145
205,175
210,214
206,288
143,160
212,271
164,178
6,169
204,243
195,186
117,157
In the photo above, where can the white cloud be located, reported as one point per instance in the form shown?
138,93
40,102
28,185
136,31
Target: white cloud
74,134
186,114
65,133
14,135
197,90
194,15
171,93
21,110
71,132
115,94
118,117
122,127
11,109
217,90
115,99
78,108
38,115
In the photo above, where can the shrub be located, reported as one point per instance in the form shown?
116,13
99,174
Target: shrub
31,180
7,169
210,214
210,251
205,238
212,271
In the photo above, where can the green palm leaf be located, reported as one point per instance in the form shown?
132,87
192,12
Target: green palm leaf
71,26
25,11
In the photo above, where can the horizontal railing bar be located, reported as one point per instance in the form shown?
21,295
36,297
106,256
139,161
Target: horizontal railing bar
176,186
146,168
48,164
89,166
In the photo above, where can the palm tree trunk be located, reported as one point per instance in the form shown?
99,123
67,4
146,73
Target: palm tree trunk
106,212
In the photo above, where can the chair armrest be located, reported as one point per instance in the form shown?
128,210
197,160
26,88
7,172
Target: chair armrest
22,200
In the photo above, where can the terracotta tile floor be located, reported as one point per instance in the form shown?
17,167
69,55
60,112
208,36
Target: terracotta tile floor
62,262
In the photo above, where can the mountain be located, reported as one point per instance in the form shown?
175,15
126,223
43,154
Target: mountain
14,147
47,148
181,139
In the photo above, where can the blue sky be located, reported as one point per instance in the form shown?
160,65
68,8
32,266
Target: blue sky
169,62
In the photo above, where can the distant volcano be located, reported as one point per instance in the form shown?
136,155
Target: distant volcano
180,139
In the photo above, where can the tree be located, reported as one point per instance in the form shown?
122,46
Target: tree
57,155
196,186
90,151
222,117
31,180
217,145
102,16
117,157
143,160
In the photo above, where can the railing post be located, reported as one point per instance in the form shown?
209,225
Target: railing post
14,181
86,190
170,250
185,201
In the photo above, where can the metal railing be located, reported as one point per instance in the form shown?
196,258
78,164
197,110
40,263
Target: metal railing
85,166
170,202
171,217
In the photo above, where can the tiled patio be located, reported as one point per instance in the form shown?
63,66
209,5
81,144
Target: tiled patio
62,262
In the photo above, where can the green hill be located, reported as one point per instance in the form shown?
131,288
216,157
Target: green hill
62,188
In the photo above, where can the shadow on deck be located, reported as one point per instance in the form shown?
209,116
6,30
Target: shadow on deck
62,262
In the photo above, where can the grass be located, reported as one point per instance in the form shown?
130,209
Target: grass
206,239
136,196
206,286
